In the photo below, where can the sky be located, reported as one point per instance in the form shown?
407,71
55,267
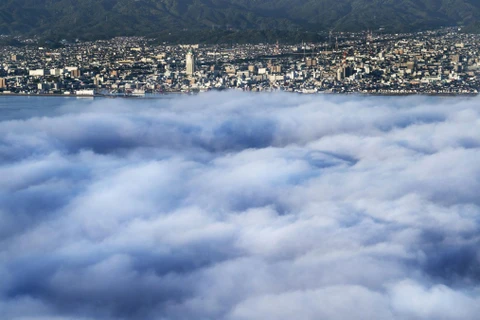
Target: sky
240,206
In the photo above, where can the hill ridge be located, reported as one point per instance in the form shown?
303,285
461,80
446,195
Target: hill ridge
108,18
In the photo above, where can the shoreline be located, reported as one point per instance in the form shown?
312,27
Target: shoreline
162,95
57,95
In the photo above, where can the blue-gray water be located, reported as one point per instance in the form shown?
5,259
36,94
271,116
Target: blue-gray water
21,107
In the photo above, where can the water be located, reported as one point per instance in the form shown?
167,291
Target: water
23,107
19,107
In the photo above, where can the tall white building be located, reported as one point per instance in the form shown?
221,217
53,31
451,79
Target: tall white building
190,61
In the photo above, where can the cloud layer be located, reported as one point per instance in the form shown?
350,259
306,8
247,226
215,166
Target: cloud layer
237,206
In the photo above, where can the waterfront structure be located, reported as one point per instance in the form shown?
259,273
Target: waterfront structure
85,92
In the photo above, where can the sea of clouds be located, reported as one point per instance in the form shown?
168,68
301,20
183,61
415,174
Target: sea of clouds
241,206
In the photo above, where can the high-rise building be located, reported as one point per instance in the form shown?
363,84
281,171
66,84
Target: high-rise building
190,61
75,73
311,62
3,83
340,73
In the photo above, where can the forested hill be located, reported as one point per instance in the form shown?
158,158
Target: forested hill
107,18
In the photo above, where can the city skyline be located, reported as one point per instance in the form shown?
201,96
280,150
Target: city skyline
434,62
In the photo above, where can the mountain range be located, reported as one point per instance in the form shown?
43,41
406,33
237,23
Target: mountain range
91,19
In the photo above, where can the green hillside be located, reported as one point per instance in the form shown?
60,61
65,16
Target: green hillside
106,18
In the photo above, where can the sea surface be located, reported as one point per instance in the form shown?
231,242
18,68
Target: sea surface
21,107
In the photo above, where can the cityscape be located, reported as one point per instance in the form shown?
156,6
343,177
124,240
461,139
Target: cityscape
443,62
239,159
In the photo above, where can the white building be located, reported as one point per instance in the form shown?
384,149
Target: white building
36,73
69,69
85,92
57,72
190,61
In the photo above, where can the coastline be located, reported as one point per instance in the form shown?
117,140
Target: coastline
165,94
57,95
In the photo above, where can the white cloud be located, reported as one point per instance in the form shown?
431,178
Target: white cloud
238,206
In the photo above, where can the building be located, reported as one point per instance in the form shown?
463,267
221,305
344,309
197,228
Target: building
56,72
340,73
75,73
36,73
190,61
42,87
88,92
276,69
311,62
3,83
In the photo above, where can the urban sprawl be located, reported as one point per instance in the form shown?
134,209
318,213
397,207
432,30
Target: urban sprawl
432,62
